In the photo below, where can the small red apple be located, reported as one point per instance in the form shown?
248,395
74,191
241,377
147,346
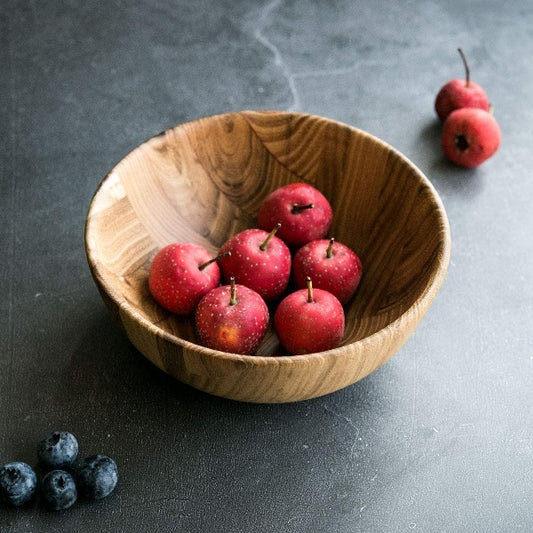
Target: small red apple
180,274
303,211
259,260
232,319
309,320
470,136
331,265
459,93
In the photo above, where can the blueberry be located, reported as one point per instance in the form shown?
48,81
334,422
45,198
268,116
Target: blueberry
97,476
58,490
18,482
58,450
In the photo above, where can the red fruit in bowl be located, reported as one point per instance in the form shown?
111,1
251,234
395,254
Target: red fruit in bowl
459,93
232,319
331,265
180,275
470,136
259,260
303,211
309,320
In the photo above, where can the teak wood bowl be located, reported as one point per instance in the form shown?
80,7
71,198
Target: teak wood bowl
203,181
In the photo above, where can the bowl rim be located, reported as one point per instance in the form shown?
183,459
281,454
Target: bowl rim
422,301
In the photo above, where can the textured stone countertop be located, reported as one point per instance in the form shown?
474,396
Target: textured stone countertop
439,439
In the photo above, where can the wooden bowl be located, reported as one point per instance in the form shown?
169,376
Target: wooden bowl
203,181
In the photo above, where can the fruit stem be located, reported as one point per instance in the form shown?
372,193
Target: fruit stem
264,244
296,208
309,290
233,292
329,251
467,70
207,263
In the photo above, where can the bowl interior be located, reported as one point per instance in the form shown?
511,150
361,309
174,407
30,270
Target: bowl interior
203,182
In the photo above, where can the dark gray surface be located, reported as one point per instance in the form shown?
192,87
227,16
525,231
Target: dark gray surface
438,439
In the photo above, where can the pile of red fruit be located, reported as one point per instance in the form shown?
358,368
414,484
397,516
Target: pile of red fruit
256,267
470,133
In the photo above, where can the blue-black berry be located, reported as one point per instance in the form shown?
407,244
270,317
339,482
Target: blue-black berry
18,482
97,476
58,450
58,490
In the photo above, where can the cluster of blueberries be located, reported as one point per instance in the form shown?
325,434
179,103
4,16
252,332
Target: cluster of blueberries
64,480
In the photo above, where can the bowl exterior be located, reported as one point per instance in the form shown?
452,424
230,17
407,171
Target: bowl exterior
258,379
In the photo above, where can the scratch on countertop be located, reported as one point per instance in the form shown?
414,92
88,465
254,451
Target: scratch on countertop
357,440
148,501
291,76
341,417
415,395
13,128
11,168
258,33
339,71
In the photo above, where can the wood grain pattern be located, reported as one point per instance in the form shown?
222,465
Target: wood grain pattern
203,181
